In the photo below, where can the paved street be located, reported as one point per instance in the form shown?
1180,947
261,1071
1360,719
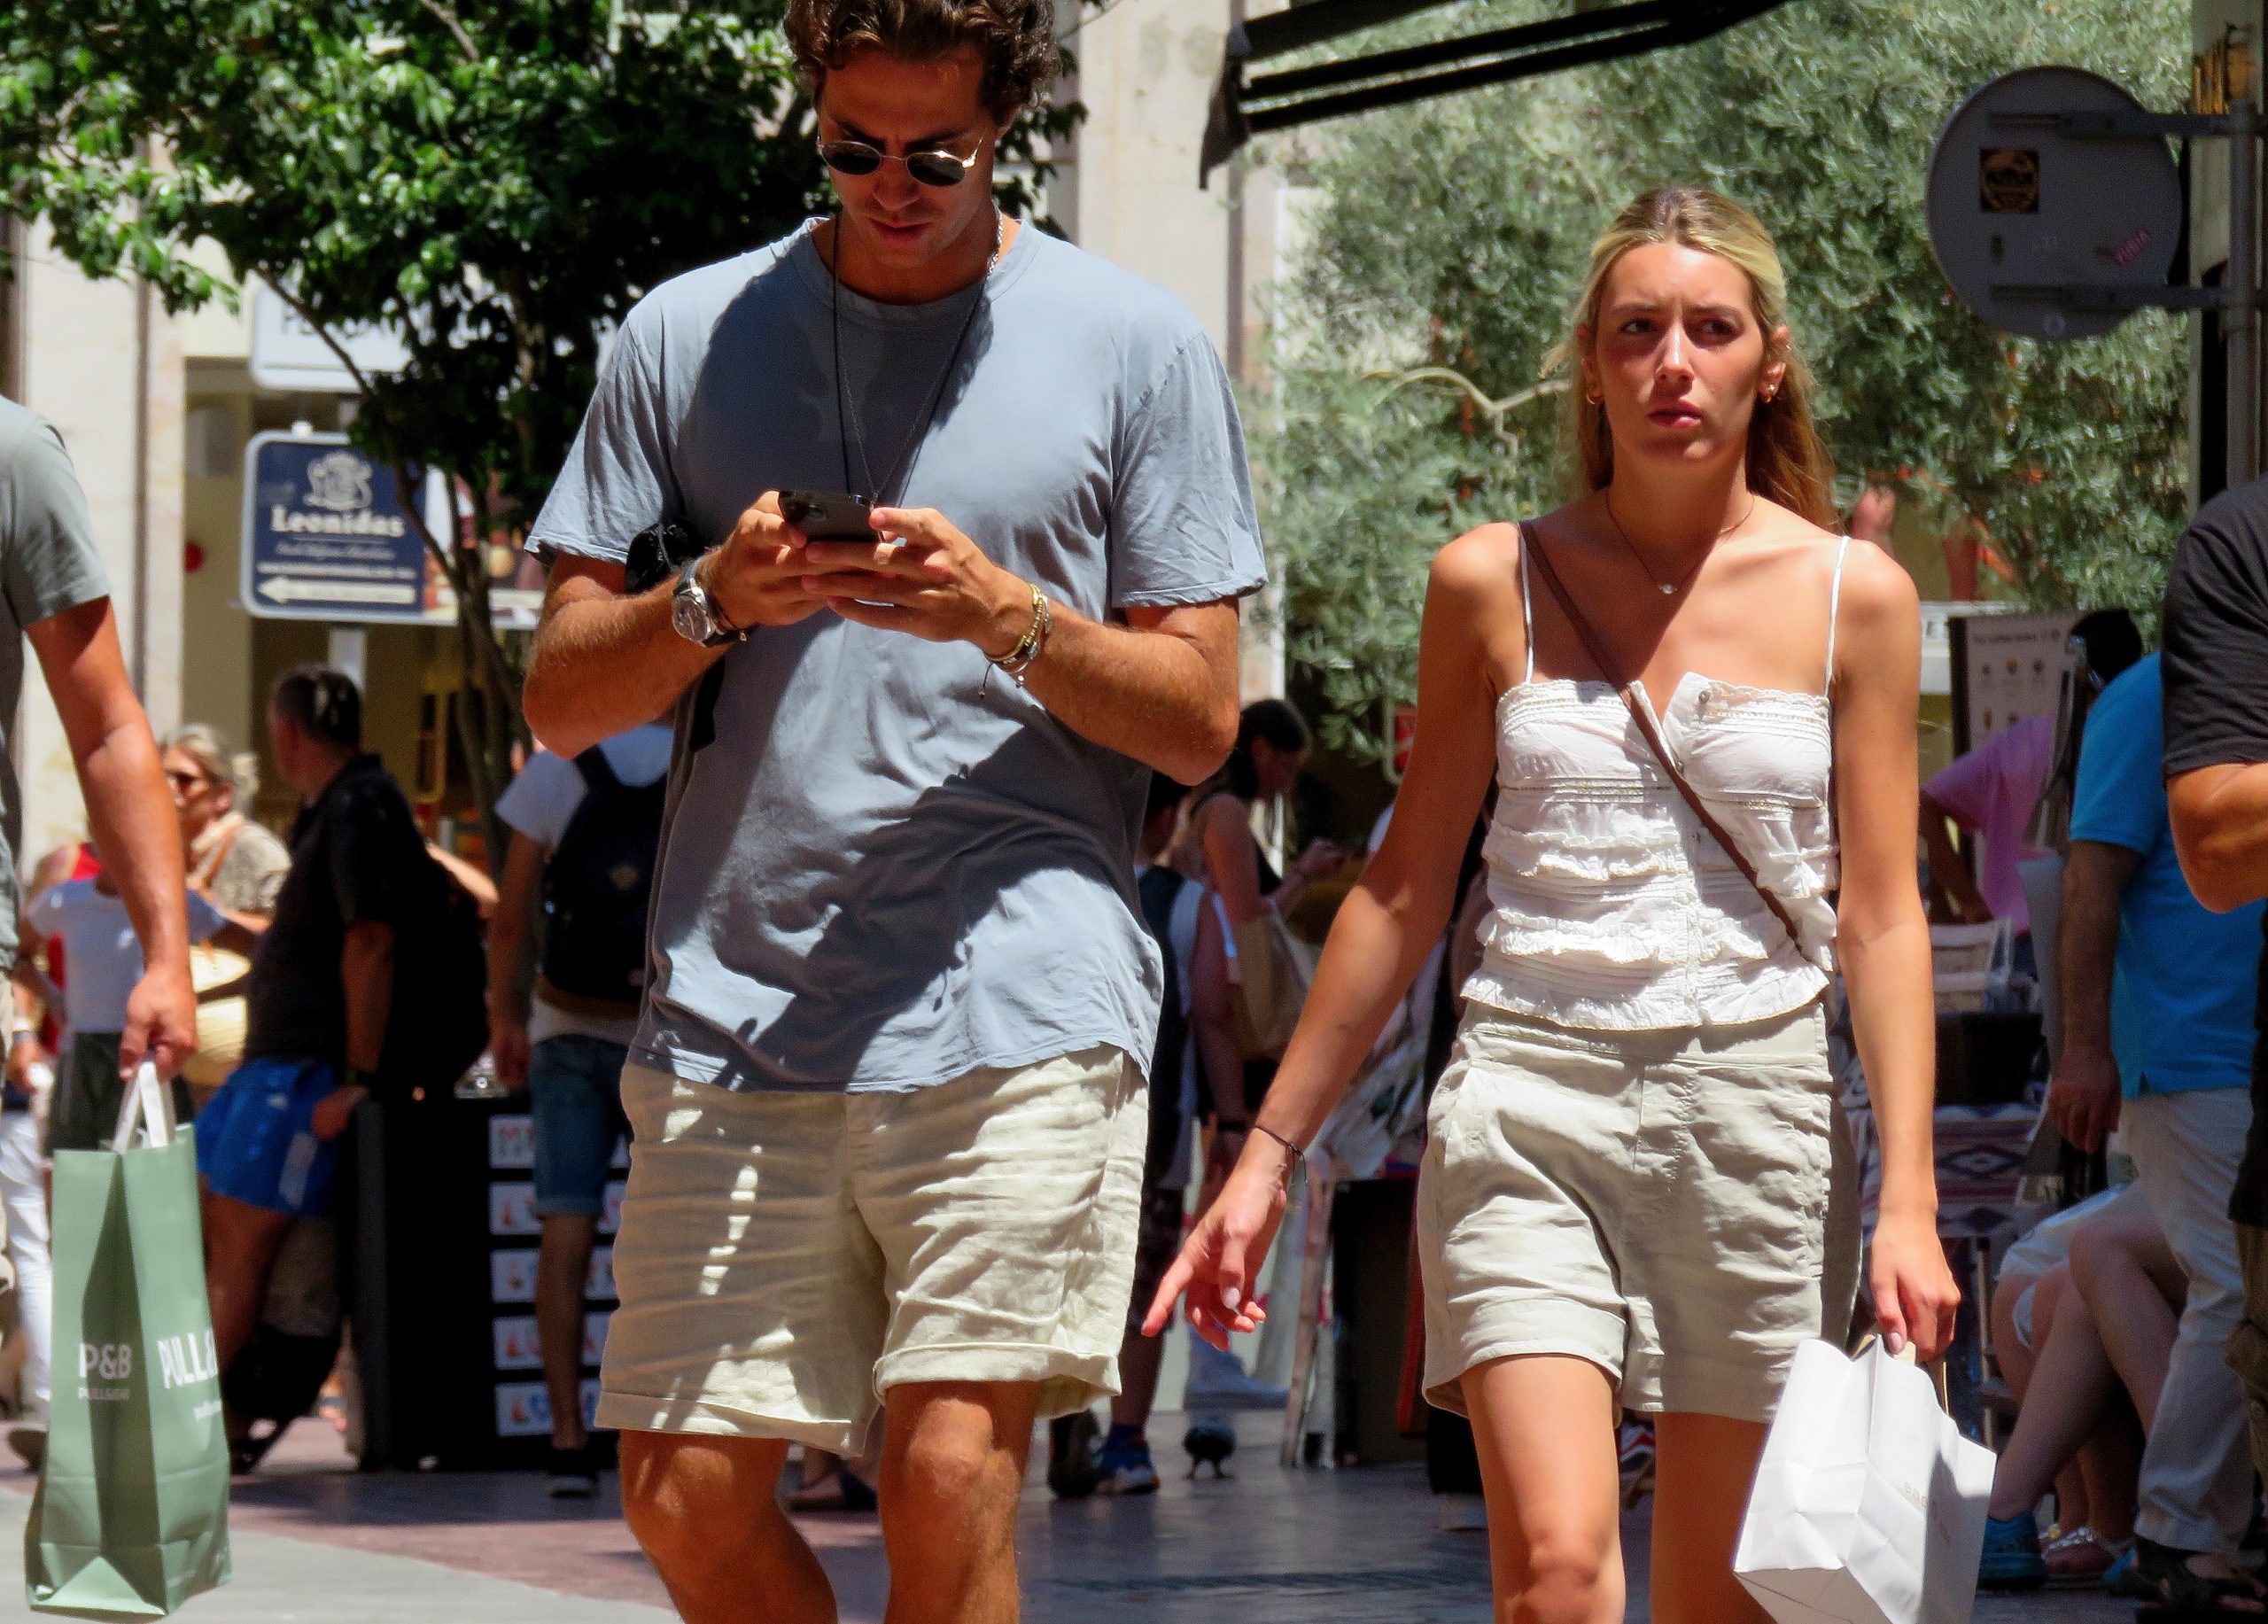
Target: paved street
316,1541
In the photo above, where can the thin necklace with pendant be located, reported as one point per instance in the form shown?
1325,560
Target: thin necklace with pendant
845,408
1670,589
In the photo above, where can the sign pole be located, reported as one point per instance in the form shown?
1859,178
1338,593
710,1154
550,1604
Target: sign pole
2241,316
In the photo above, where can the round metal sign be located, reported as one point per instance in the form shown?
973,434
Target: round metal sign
2025,217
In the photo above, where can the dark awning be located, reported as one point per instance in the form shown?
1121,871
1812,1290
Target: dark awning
1242,109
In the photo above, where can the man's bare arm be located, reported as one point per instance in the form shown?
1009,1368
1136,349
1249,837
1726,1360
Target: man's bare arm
2083,1098
133,820
605,660
2220,832
1162,688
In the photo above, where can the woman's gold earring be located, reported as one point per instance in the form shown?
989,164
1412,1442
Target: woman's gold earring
1593,396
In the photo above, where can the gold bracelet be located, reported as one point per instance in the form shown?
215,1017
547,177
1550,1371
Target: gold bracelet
1018,660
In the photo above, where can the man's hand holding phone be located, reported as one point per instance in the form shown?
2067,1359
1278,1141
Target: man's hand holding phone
921,575
758,577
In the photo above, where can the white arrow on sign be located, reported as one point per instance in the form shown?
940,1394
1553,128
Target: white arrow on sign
287,590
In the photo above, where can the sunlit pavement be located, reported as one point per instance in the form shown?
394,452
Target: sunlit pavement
315,1540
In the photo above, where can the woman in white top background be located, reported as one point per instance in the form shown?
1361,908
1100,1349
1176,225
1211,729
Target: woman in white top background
1624,1197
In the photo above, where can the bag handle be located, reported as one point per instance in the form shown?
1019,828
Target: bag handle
1641,712
148,1103
1939,1376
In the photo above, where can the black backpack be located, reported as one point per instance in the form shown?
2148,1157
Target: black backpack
438,1023
596,885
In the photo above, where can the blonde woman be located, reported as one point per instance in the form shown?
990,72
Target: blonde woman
1624,1199
234,863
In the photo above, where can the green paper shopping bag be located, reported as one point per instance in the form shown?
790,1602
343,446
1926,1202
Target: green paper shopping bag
131,1517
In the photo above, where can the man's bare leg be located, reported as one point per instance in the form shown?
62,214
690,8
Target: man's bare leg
707,1510
240,1245
562,1260
954,1456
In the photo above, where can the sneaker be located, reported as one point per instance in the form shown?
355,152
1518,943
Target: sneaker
1461,1514
2012,1560
2119,1579
1218,1381
1125,1468
569,1474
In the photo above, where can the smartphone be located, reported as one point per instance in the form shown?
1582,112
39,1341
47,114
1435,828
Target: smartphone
828,516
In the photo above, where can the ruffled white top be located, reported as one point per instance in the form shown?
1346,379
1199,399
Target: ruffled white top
1612,908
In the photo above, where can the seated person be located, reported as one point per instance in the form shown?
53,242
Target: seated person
2069,1335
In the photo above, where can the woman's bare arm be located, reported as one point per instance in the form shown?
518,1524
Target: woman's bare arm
1883,940
1384,929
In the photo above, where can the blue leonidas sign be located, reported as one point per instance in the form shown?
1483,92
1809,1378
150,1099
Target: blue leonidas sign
325,535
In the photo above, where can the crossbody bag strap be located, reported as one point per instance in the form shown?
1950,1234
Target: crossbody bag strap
1641,712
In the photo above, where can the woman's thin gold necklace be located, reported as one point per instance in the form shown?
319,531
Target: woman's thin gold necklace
1670,589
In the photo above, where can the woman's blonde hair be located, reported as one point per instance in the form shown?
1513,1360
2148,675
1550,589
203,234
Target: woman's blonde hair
203,745
1786,461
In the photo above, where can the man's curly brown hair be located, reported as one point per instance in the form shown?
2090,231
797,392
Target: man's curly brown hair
1016,39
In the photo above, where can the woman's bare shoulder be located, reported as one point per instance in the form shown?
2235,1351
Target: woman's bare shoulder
1481,563
1876,590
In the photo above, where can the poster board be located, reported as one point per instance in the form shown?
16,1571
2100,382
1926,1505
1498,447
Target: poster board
2004,667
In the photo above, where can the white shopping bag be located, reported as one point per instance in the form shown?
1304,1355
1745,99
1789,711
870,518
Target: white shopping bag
1869,1506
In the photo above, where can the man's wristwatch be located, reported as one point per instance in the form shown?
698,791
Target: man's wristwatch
695,613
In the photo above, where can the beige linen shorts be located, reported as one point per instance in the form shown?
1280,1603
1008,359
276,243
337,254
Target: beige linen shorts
784,1258
1657,1203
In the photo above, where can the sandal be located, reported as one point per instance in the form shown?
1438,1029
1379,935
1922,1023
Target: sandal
2175,1592
2082,1557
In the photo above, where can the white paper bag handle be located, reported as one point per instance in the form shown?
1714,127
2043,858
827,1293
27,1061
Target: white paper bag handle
148,1104
1905,1355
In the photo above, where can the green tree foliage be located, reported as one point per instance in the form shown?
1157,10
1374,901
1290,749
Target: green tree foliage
1453,236
501,179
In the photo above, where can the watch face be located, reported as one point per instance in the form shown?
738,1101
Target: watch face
690,614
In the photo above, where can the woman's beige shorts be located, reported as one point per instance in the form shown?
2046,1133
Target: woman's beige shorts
1654,1202
784,1258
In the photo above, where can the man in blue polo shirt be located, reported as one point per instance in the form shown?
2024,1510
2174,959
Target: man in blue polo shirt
2157,1036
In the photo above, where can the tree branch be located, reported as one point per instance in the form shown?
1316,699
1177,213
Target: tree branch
1494,410
448,19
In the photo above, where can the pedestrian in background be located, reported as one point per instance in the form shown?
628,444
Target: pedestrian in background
2157,995
888,1092
323,990
106,956
2216,680
1992,791
1624,1195
234,863
580,865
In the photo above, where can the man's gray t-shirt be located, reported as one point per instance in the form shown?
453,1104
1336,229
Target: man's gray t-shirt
48,564
884,865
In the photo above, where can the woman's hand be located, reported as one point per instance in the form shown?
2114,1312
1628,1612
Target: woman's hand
1914,1296
1322,857
1225,1252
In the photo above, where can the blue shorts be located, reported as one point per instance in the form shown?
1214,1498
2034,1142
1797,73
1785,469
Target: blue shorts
255,1143
575,1091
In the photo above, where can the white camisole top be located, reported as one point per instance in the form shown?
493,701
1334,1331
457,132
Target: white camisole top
1612,908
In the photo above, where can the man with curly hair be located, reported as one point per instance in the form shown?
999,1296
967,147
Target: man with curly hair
886,1096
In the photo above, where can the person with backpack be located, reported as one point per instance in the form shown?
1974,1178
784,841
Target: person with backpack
585,832
364,926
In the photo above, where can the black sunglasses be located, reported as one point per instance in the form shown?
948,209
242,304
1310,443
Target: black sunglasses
931,168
